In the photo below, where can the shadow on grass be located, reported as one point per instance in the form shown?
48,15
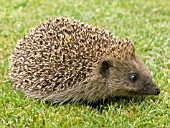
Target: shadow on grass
104,105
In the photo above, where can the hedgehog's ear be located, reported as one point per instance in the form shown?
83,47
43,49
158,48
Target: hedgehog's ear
104,67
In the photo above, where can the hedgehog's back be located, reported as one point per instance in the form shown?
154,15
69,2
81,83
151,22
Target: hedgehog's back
57,55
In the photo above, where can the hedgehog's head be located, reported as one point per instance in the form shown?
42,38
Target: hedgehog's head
126,73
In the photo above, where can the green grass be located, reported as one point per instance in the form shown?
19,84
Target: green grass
145,22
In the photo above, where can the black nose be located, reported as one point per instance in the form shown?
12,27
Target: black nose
157,91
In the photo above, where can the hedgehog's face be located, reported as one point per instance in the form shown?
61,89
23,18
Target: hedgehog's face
129,77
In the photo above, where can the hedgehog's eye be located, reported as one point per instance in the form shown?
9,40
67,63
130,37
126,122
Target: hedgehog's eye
133,77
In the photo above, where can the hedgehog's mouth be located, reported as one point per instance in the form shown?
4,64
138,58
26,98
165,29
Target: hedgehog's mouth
146,91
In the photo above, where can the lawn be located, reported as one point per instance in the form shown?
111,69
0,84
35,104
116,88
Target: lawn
146,22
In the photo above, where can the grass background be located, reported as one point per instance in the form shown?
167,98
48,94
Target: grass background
147,23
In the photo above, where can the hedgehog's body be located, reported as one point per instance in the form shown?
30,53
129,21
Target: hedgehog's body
63,60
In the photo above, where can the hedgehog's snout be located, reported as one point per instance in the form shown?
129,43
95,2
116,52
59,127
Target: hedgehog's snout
157,91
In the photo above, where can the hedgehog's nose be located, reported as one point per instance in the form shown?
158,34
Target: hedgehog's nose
157,91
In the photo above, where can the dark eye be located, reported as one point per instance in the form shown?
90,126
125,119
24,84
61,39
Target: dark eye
133,77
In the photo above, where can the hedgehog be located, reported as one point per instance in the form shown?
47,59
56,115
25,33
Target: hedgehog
63,60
